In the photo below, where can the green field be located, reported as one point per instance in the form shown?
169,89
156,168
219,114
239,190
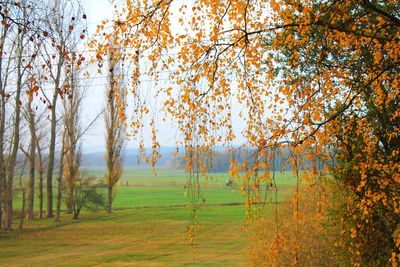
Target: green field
147,227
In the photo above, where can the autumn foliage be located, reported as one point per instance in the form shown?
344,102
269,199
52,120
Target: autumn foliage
317,78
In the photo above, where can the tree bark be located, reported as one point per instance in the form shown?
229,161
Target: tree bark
59,180
109,199
114,129
50,161
40,173
52,146
32,152
15,142
2,128
22,213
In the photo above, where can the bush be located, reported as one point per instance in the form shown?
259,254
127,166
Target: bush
86,195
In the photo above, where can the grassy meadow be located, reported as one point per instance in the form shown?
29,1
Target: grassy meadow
147,227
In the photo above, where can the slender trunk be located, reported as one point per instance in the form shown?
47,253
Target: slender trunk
59,181
59,191
40,212
70,208
22,213
52,147
32,152
3,83
31,196
50,163
12,160
2,129
1,197
15,141
109,198
40,172
2,185
114,134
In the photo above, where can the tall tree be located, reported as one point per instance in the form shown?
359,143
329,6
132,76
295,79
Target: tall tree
31,154
40,163
4,98
115,130
71,146
21,15
63,25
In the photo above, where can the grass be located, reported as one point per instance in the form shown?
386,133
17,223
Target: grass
146,229
141,237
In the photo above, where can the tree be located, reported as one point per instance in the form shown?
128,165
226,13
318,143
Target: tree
71,148
19,34
302,70
30,117
63,24
85,196
70,152
5,73
40,162
115,130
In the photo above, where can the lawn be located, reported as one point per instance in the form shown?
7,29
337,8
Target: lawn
146,229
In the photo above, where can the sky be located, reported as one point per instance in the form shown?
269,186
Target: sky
94,139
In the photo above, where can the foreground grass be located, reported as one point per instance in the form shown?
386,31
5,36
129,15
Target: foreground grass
147,228
139,237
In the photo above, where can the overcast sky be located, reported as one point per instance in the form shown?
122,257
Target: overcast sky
97,11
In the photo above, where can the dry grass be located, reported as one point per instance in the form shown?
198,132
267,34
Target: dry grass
143,237
302,240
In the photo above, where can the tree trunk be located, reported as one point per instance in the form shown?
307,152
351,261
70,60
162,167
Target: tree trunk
15,142
59,181
114,131
40,212
52,146
69,203
32,152
40,172
109,199
2,187
2,124
2,162
22,213
50,162
1,199
31,196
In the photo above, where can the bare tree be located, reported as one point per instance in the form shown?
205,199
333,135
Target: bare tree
72,132
31,154
4,98
23,44
115,131
63,20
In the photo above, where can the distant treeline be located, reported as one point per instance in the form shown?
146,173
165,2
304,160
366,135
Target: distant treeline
221,159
